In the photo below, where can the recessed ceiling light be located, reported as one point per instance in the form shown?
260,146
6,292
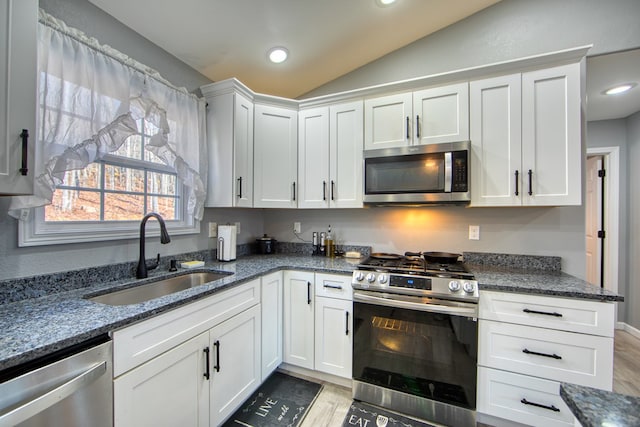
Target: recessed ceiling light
619,89
385,3
278,54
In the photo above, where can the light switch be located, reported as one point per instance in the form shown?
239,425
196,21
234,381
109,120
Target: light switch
213,229
474,232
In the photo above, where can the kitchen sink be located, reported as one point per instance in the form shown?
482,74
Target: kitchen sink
158,288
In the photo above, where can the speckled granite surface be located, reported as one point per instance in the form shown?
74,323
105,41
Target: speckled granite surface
596,408
528,262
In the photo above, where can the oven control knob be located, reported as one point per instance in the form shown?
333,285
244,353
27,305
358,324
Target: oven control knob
468,287
382,278
359,276
371,277
454,286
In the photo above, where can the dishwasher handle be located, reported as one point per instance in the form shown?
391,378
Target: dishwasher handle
50,398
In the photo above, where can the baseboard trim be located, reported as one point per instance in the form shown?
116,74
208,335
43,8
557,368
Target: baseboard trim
628,328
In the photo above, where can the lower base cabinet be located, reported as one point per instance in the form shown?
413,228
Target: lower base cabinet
298,318
333,336
272,313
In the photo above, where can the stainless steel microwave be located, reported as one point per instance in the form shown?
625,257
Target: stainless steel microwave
418,174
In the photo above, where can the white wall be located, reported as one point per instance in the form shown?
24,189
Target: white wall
633,248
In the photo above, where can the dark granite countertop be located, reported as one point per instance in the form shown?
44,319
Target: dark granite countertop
596,408
35,327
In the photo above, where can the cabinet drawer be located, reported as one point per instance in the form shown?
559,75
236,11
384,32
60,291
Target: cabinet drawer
587,317
503,394
557,355
143,341
333,286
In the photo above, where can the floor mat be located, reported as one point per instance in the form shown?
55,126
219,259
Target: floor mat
282,400
361,414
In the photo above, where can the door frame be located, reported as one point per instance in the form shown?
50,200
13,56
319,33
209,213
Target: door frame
611,163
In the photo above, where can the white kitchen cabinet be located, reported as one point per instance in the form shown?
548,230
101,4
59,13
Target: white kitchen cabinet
18,54
428,116
299,318
272,325
330,156
235,363
526,139
275,156
230,144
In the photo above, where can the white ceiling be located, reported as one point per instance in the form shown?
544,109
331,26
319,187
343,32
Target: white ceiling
325,38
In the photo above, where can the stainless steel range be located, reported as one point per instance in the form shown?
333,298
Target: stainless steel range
415,336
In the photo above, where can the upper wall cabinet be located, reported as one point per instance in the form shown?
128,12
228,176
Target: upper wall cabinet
428,116
330,156
18,49
230,146
276,157
526,139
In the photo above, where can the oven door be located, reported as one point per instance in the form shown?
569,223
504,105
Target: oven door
418,346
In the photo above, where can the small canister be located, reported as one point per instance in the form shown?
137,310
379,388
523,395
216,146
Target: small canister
266,245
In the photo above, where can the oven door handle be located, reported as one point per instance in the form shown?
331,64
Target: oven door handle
471,311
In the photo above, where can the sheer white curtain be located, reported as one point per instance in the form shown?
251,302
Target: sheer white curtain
91,98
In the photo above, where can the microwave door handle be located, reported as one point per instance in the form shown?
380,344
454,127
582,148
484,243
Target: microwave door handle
448,172
433,308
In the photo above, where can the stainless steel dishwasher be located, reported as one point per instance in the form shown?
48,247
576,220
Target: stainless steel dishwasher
72,388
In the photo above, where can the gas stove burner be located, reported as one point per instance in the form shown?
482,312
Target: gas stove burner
385,256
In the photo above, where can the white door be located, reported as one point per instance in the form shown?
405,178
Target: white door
345,155
169,390
313,162
18,50
441,114
496,142
298,318
334,336
272,314
275,157
593,219
243,151
387,121
235,362
551,136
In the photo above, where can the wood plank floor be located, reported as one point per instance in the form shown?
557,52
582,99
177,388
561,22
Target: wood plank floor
333,402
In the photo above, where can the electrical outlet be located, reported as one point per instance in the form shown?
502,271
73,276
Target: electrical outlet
297,227
213,229
474,232
237,228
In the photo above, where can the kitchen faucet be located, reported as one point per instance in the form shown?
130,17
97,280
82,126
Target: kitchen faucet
141,271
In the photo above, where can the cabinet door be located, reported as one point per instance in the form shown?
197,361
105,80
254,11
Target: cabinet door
243,152
18,49
272,313
551,136
496,141
441,114
275,157
387,121
345,155
169,390
313,163
334,336
235,363
298,318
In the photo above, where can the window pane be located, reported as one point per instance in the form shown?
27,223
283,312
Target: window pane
88,177
161,183
120,178
150,157
73,205
123,207
131,148
150,128
165,206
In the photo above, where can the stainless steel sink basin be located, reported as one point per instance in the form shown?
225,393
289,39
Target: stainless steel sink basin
157,289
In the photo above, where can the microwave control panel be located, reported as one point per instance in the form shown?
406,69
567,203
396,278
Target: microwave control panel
460,171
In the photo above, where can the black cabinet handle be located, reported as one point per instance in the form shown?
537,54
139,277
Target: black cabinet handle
517,182
294,191
324,190
535,353
332,286
418,127
530,182
546,313
346,323
25,145
408,128
333,189
309,293
207,372
240,187
538,405
217,365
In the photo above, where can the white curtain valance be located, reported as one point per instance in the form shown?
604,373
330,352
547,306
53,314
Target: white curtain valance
91,98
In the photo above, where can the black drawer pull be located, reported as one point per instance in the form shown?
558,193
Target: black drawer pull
309,293
535,353
207,372
347,322
546,313
332,286
217,365
25,145
538,405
